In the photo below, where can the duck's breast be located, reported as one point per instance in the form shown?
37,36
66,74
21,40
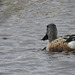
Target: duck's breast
59,45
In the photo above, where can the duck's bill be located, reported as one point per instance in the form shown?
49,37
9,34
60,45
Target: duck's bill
45,37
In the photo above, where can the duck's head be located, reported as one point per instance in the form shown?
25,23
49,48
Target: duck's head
51,32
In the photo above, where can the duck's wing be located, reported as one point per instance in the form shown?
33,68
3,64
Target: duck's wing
73,35
70,38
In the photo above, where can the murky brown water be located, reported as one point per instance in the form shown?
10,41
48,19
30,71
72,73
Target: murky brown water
22,25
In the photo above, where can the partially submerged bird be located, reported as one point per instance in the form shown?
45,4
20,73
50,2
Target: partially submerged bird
58,44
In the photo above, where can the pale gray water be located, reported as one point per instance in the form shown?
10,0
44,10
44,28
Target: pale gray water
22,25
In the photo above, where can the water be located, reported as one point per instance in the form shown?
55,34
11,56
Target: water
22,25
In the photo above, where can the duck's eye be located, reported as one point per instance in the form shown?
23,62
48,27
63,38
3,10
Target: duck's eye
47,27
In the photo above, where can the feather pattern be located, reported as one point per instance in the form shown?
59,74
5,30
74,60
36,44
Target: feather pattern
63,43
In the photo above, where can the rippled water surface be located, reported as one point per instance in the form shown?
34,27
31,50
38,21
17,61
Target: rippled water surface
22,25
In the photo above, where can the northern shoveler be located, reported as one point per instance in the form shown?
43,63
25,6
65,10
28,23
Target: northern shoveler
63,43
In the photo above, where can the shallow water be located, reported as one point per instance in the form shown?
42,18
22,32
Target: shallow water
22,25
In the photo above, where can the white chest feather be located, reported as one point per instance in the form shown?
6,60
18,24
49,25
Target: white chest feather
72,44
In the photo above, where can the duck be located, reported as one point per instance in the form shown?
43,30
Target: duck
58,44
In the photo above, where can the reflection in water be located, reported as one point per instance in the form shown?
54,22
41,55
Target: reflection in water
22,25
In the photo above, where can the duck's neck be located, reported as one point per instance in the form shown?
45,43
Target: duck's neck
52,34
